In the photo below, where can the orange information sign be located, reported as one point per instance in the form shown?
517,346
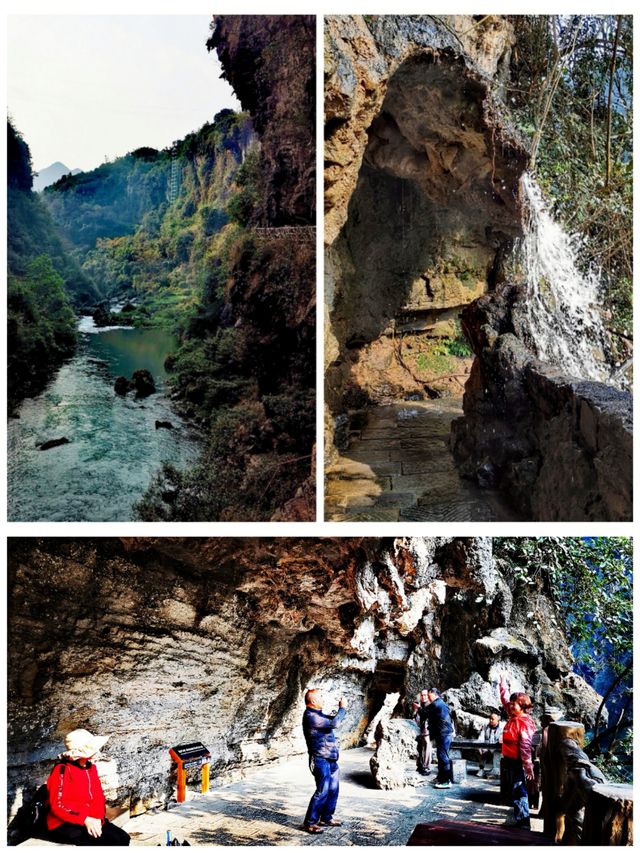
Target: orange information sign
187,756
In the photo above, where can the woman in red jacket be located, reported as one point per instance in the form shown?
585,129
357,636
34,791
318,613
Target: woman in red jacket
76,812
516,750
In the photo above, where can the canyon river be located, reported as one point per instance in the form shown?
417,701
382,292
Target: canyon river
114,447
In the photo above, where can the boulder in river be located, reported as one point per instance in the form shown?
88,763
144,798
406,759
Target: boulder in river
121,385
164,425
53,442
102,316
142,382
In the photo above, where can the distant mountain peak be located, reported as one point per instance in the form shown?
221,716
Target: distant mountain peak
45,177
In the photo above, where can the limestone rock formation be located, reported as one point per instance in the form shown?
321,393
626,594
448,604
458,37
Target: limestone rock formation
421,189
395,746
560,448
158,641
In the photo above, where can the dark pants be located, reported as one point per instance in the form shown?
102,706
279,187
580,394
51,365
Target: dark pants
517,784
323,803
73,833
424,753
443,745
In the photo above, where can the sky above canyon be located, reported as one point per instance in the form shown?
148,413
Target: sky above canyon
85,88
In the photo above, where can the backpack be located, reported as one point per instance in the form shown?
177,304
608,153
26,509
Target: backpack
30,820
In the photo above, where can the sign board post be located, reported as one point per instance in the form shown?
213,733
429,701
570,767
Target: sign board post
186,756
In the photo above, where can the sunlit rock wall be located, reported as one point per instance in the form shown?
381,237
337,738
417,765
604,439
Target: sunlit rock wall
421,187
158,641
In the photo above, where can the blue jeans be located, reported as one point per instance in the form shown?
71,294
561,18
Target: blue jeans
517,782
443,745
323,803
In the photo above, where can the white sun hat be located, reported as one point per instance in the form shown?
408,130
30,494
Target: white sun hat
82,744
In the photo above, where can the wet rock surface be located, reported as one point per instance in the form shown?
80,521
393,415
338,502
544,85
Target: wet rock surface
396,464
559,448
158,641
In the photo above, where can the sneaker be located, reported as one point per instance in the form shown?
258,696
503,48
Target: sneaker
482,773
442,785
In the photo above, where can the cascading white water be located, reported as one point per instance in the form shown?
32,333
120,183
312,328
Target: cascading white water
564,322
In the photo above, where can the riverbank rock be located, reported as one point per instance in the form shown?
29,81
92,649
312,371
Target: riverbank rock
395,747
53,442
102,316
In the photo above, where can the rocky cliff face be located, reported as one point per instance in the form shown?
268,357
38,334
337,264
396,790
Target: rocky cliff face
421,182
270,62
158,641
560,448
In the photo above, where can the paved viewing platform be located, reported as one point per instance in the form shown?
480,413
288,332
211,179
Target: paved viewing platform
267,808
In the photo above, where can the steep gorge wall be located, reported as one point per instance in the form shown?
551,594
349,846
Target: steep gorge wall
421,183
158,641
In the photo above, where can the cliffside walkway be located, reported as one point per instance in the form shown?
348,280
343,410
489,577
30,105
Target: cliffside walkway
297,233
267,808
400,468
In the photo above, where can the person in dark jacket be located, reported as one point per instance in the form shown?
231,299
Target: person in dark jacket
441,733
324,752
76,813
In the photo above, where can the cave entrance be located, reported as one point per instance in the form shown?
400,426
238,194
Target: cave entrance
432,217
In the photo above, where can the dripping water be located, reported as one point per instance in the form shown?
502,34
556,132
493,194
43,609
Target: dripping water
562,303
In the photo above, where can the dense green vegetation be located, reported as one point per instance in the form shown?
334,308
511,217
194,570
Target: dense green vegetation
571,92
30,229
41,327
139,242
590,579
43,282
111,200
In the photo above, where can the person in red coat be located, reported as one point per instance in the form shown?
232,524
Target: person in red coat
76,813
516,751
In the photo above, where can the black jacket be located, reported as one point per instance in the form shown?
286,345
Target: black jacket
319,735
438,719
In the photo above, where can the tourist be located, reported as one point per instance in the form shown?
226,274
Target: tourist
324,752
76,812
441,733
423,740
491,733
516,751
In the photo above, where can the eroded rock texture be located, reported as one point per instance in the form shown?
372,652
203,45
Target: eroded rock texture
560,448
421,187
160,641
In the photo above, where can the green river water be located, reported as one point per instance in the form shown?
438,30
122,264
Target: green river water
114,448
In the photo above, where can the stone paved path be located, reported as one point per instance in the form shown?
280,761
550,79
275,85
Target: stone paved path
400,468
267,809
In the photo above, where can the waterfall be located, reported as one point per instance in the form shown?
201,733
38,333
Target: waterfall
564,323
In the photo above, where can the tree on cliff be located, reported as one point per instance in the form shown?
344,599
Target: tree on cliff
590,580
